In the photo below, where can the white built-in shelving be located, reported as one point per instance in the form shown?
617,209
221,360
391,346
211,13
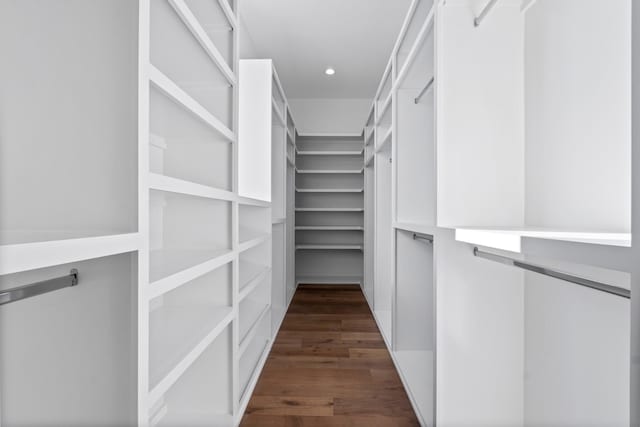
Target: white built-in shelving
135,151
198,225
330,206
267,131
506,163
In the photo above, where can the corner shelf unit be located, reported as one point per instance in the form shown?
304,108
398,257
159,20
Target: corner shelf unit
329,206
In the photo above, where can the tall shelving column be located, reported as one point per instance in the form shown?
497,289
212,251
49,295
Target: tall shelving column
402,167
193,222
383,204
329,208
266,132
290,270
369,206
539,202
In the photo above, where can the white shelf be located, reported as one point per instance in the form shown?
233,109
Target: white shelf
385,105
330,280
228,12
385,140
251,362
49,248
279,115
191,22
165,84
178,323
330,171
174,185
369,160
329,190
510,239
329,209
329,135
251,310
329,247
170,268
177,331
329,228
253,202
330,153
251,243
370,138
248,234
251,275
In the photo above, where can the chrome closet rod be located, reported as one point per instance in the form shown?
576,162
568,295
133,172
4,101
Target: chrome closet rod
423,91
477,21
39,288
598,286
426,238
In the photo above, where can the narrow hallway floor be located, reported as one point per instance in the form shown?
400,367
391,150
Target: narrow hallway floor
329,367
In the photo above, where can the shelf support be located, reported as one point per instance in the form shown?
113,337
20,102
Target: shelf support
478,20
424,90
425,238
39,288
598,286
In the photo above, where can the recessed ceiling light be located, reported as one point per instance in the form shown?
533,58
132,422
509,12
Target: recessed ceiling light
329,71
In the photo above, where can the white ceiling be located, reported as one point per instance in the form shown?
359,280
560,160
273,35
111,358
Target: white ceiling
304,37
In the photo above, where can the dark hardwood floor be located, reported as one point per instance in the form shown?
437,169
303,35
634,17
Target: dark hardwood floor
329,367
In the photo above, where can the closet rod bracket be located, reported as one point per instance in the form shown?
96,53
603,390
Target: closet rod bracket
39,288
428,239
424,90
478,20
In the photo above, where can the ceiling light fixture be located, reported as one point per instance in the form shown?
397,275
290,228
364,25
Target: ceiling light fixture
329,71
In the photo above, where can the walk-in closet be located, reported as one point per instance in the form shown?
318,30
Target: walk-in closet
319,213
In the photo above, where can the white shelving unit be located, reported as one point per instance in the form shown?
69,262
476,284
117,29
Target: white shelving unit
369,207
197,228
329,201
500,157
552,179
268,131
181,191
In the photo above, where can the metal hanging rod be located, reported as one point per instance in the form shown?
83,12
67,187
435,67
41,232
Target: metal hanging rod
426,238
478,20
423,91
598,286
39,288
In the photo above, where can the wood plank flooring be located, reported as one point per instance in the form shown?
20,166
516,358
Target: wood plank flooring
329,367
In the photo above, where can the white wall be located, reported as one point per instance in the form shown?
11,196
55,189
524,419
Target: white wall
578,125
480,149
330,115
245,43
480,338
576,355
254,134
578,175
